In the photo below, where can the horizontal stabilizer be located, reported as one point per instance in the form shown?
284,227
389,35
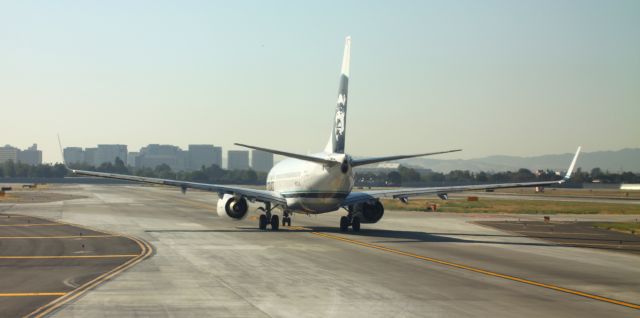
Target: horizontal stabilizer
366,161
291,155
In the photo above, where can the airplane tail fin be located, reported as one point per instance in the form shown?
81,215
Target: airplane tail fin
337,138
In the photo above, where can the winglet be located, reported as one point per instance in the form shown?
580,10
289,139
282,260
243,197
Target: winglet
64,161
573,164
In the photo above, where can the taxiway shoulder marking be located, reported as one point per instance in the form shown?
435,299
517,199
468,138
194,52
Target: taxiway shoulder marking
145,251
481,271
30,294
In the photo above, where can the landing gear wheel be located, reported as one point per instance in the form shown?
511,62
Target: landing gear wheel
275,222
344,224
286,221
262,222
355,224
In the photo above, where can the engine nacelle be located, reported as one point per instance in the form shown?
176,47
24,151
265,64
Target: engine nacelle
232,207
369,212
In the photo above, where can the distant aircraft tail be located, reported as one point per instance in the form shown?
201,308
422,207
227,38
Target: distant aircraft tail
337,138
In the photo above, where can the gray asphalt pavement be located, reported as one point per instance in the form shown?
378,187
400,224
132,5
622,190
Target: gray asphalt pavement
404,266
43,261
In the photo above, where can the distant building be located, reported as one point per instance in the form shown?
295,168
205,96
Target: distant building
31,156
90,156
154,155
238,160
261,160
132,157
217,156
9,153
73,155
388,166
201,155
109,153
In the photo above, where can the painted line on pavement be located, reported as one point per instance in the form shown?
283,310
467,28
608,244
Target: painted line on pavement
481,271
30,294
68,256
145,251
55,237
31,224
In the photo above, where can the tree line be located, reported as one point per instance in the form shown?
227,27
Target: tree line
404,175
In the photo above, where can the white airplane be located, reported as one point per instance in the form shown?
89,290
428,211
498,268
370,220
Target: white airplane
319,183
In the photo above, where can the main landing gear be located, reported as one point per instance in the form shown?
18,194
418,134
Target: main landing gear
267,218
350,220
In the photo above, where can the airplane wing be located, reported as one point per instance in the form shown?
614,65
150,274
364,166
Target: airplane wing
403,194
250,194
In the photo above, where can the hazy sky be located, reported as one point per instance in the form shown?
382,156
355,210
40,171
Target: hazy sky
491,77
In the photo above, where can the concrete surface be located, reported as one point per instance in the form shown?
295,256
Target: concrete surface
206,266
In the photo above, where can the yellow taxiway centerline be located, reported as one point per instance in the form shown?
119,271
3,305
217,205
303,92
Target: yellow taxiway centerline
481,271
31,224
70,256
55,237
30,294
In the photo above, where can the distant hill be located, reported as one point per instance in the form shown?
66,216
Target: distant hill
627,159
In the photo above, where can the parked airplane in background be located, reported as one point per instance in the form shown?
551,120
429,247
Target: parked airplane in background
321,182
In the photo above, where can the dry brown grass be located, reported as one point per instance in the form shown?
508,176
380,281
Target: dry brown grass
484,205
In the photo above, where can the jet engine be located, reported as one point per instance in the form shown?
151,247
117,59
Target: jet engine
369,212
232,207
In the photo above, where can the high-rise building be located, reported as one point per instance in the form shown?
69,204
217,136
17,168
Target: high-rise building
154,155
217,156
132,157
261,160
73,155
90,156
200,155
109,153
31,156
238,160
9,153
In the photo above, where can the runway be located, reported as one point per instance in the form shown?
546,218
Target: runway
401,267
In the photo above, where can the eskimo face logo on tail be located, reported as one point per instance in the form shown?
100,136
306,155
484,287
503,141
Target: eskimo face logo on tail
339,124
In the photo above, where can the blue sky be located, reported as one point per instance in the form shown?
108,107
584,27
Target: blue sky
491,77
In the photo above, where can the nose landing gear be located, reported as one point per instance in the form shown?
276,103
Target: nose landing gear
286,219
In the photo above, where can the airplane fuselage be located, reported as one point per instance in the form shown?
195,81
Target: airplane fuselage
311,187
